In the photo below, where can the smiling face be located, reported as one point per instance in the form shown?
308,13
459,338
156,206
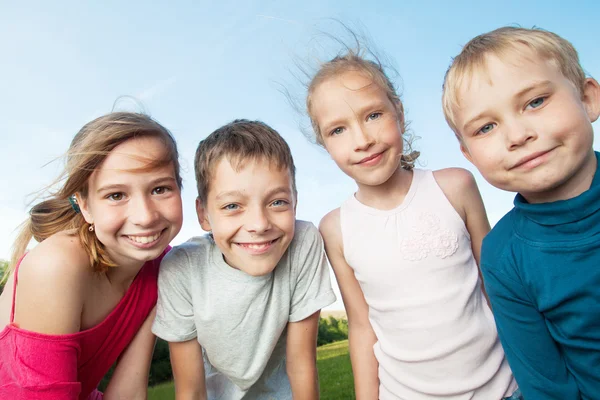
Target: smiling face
251,214
135,212
527,128
360,127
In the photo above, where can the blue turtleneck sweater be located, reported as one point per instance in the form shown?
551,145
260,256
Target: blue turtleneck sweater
541,268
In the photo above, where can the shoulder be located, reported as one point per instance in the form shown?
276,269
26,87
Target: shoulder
305,232
52,281
460,188
60,260
330,226
187,255
455,180
499,241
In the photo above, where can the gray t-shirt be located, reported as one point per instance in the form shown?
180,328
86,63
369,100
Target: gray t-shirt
240,320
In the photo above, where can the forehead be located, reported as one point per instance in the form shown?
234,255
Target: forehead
505,68
348,88
502,77
134,156
247,174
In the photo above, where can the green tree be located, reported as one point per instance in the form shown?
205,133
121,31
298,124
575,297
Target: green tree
3,269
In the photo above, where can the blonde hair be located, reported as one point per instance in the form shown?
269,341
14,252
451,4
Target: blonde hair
500,42
239,141
355,60
89,148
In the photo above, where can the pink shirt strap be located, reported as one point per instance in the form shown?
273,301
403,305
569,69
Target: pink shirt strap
14,296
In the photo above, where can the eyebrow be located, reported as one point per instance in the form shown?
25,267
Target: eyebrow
121,186
521,93
239,193
377,104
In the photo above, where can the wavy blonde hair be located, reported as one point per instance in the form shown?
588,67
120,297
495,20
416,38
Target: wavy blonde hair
500,42
89,148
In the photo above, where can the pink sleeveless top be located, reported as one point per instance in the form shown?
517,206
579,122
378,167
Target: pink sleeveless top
35,366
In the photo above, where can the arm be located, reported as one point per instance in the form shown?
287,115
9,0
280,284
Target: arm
301,357
360,333
188,370
460,188
533,355
130,379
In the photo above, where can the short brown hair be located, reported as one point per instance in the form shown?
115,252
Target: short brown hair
501,41
240,140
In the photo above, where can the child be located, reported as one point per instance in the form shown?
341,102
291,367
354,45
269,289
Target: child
522,109
86,294
240,307
404,249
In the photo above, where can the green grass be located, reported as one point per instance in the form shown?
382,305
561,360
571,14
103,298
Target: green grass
335,375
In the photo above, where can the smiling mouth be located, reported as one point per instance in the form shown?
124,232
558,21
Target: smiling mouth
257,247
532,160
145,239
370,159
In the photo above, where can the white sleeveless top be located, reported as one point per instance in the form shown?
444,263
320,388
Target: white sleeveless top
436,334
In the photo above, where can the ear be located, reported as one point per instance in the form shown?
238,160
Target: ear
202,215
466,153
84,207
591,98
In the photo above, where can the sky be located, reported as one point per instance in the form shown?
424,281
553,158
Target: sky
196,65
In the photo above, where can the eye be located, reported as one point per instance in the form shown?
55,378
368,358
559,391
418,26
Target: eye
373,116
535,103
486,128
116,196
230,207
336,131
280,203
160,190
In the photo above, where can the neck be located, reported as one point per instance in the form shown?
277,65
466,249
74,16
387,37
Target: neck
123,274
573,187
389,194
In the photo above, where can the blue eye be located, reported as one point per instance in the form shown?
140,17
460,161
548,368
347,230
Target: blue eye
279,203
486,128
336,131
535,103
374,115
230,207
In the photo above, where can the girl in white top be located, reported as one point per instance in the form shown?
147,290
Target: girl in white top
405,250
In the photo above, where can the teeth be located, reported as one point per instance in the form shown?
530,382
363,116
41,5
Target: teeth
144,239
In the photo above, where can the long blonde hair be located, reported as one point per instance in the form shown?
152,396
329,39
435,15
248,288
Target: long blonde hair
90,146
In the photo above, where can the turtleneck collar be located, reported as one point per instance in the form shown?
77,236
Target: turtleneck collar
577,215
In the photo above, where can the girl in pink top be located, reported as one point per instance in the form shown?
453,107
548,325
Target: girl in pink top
84,297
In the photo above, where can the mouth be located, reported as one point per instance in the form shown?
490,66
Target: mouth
257,247
531,161
145,240
371,160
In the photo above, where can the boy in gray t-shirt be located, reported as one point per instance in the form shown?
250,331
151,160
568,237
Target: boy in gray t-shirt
240,306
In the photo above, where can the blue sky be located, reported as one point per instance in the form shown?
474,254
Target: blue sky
197,65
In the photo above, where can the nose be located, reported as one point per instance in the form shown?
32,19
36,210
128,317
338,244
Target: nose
257,220
144,212
363,139
519,133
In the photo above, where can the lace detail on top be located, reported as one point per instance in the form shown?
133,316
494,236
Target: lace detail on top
428,236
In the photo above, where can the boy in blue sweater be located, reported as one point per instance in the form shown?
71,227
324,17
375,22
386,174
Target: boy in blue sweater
522,109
